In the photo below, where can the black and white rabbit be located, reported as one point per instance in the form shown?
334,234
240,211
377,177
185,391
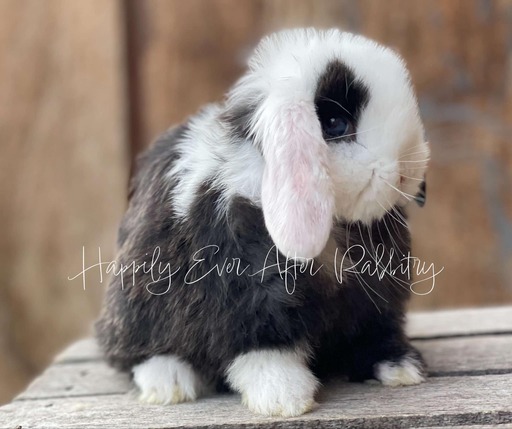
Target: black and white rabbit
308,165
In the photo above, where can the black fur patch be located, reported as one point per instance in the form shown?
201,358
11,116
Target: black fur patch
337,87
372,325
238,120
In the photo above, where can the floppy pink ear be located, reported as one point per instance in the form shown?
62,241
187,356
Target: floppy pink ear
297,195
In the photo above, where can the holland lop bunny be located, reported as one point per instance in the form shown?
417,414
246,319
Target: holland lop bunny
308,164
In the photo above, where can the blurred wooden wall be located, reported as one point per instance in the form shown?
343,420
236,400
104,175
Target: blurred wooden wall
62,171
84,86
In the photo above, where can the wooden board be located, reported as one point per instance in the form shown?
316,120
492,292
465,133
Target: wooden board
470,383
442,401
470,355
448,323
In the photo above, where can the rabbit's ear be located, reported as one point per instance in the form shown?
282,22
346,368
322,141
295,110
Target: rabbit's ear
297,195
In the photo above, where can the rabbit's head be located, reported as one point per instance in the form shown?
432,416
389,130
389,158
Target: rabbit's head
337,123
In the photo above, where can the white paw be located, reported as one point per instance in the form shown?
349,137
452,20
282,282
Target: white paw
274,382
405,372
166,379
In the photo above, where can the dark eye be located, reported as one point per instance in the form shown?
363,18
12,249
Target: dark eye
336,126
334,119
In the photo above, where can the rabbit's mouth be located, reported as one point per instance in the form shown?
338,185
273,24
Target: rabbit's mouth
374,198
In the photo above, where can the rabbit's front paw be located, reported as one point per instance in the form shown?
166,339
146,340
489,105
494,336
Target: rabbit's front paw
166,379
406,371
274,382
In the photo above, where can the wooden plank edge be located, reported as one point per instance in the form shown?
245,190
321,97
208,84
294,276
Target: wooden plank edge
459,322
499,419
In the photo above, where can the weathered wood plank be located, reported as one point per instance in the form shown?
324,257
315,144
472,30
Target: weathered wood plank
479,354
501,426
460,322
80,390
443,401
453,356
78,379
83,350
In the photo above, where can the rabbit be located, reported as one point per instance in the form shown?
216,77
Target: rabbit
249,225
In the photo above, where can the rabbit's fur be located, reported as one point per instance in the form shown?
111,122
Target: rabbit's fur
259,183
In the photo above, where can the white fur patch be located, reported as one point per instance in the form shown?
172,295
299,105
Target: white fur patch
274,382
207,154
406,372
166,380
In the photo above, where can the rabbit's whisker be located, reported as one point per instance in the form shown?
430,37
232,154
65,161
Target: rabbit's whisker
352,134
409,197
356,273
414,153
412,178
421,160
414,147
396,212
338,104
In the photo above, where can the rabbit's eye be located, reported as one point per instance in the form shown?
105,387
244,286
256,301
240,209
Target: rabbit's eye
333,120
336,126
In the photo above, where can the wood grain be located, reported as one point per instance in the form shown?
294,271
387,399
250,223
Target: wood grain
77,379
443,401
470,321
468,355
84,350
